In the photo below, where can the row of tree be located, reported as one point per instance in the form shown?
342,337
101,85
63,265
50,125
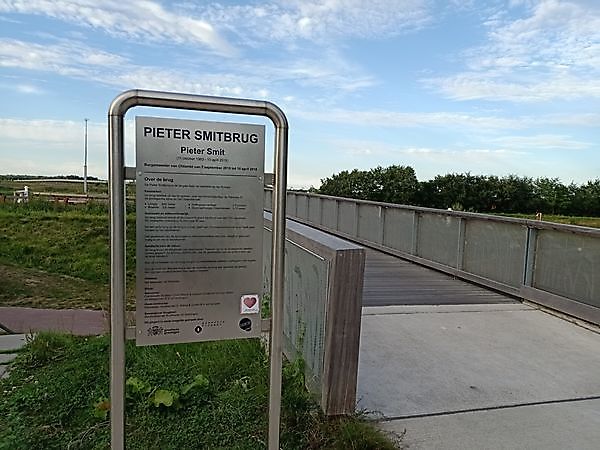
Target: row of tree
477,193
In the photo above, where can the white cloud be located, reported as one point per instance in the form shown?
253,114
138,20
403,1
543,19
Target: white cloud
28,89
370,148
66,58
8,20
48,131
51,147
134,19
18,166
552,53
541,142
288,20
240,78
576,119
328,71
396,119
168,80
429,161
441,119
79,61
485,86
42,146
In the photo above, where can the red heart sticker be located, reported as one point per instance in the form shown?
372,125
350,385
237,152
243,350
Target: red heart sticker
249,301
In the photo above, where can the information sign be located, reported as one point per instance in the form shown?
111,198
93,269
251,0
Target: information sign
199,207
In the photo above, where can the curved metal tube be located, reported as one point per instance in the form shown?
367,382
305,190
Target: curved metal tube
137,97
116,113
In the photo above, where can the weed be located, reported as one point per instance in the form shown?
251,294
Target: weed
265,306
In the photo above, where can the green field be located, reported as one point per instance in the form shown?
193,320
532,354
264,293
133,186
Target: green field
43,244
593,222
9,185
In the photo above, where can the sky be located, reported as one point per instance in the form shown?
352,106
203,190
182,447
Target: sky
487,87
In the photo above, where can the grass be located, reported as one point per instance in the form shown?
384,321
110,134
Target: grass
593,222
55,398
42,243
8,186
57,238
34,288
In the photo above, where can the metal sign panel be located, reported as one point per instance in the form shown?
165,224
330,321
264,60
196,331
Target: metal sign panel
199,203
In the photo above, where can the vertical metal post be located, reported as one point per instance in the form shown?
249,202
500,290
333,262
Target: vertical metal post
529,263
295,197
414,248
117,282
277,277
85,186
460,252
382,215
320,202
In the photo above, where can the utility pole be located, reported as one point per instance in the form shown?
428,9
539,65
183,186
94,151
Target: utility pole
85,186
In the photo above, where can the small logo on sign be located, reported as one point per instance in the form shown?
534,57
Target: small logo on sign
155,331
246,324
250,304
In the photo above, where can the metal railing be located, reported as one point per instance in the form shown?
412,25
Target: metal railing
551,264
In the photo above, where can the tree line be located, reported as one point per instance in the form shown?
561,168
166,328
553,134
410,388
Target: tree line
466,192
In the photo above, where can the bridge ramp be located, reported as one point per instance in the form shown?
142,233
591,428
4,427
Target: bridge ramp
484,372
392,281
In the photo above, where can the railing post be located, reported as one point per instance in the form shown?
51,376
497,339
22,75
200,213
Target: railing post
530,254
415,234
320,203
382,214
460,254
357,220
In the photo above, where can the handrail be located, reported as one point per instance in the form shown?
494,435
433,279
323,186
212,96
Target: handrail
538,224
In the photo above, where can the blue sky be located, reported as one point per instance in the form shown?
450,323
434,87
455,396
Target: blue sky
487,87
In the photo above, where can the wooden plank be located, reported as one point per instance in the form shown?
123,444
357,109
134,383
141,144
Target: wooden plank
342,333
392,281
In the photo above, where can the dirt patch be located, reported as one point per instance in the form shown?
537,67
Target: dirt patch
38,289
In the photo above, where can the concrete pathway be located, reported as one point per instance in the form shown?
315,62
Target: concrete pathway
480,376
9,343
568,425
30,320
75,321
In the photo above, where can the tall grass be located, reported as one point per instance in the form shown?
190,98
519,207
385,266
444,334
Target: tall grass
62,239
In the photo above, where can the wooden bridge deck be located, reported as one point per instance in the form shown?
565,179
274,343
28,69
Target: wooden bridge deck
392,281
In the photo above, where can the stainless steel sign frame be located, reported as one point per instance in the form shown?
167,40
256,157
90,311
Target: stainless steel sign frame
117,174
